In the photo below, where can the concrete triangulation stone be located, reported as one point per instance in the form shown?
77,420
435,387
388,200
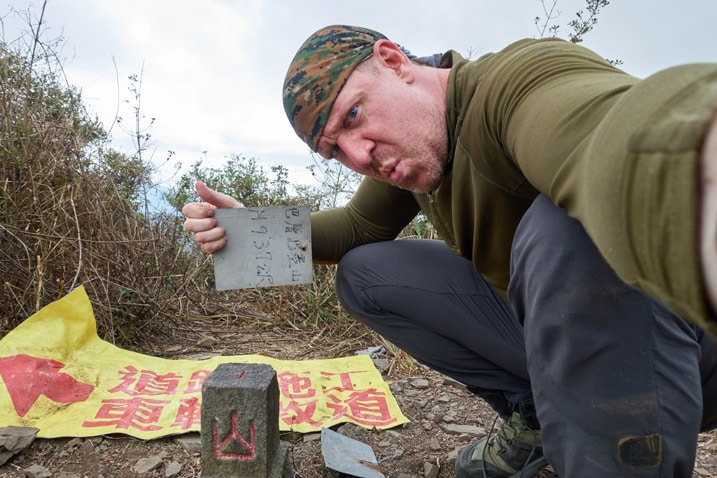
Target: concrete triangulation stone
240,424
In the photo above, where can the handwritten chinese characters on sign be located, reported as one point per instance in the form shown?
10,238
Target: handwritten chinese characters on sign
267,246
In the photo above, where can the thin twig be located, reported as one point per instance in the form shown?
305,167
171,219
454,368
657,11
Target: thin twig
79,246
37,33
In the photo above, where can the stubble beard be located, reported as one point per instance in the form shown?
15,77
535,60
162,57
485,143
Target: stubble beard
430,163
431,177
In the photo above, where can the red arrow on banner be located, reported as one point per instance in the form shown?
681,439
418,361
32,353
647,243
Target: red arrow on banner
26,378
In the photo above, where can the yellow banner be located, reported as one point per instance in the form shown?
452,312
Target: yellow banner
57,375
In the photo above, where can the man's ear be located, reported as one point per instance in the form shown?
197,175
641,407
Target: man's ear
390,55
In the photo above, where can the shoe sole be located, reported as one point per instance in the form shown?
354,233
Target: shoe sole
531,469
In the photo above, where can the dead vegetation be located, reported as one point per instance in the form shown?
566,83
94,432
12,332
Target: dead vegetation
74,211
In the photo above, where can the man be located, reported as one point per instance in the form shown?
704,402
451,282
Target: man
486,150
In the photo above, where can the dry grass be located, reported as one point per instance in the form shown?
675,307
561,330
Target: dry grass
71,214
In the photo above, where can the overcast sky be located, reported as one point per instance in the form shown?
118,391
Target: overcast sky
213,69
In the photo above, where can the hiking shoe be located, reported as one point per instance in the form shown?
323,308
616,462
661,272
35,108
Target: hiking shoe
515,451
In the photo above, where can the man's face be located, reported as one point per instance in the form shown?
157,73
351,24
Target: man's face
388,128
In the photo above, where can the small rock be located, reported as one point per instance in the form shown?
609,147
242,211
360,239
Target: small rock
191,442
14,440
444,399
381,364
86,448
449,418
353,431
172,469
301,447
430,470
311,437
434,444
384,444
453,456
420,383
428,426
457,429
207,341
37,471
145,465
465,438
74,443
454,383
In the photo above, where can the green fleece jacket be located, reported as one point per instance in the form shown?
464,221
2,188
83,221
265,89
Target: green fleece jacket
546,116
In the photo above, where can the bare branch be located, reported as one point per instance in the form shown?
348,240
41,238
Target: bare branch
550,14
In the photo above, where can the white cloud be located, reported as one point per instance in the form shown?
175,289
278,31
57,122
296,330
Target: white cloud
213,69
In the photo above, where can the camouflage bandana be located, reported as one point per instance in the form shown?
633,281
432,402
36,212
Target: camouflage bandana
318,72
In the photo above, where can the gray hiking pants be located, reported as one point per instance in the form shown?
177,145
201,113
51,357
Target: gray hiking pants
621,384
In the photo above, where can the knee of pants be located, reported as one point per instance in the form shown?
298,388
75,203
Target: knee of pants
554,260
352,277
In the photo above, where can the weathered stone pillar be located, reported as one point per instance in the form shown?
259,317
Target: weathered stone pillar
240,424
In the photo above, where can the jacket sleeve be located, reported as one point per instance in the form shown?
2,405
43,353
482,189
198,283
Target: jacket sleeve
619,154
376,212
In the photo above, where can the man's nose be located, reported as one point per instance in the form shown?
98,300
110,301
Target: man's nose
357,150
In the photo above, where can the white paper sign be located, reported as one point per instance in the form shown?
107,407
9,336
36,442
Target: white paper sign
267,246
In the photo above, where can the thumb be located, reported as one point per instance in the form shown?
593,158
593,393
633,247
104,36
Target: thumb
215,198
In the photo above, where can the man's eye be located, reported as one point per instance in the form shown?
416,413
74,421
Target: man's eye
353,113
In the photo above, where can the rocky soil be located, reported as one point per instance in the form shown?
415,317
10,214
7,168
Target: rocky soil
444,418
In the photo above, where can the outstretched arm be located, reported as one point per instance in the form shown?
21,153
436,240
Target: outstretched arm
200,217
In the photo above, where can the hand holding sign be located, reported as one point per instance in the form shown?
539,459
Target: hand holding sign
253,247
